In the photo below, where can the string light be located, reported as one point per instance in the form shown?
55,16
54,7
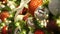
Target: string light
58,22
17,24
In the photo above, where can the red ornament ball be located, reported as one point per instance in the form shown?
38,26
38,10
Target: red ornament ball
4,15
4,30
33,4
39,32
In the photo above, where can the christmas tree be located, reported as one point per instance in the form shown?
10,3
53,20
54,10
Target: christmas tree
29,17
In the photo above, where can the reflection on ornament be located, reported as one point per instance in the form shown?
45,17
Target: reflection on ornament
33,4
41,13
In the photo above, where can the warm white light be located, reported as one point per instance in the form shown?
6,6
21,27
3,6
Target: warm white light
58,22
11,15
17,24
6,21
3,24
12,6
2,6
10,21
24,32
3,1
19,17
6,28
42,24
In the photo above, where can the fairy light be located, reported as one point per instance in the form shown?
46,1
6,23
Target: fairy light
42,24
17,24
29,27
58,22
2,6
47,15
3,1
45,23
19,17
10,21
8,4
12,6
6,21
6,28
11,15
24,31
3,24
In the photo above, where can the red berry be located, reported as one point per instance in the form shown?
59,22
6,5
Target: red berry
4,15
4,30
33,5
39,32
